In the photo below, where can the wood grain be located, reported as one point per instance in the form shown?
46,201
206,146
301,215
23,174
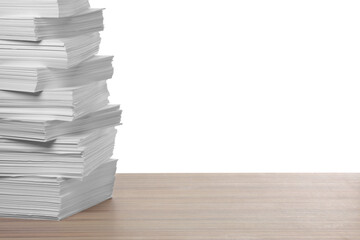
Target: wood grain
212,206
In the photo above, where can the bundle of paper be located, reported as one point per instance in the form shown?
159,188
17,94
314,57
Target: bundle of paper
57,129
55,104
29,78
35,29
44,130
51,198
55,53
73,155
42,8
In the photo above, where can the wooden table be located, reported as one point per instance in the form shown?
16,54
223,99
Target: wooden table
212,206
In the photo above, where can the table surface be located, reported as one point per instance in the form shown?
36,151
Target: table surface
212,206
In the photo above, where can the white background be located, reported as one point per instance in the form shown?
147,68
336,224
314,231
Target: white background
235,86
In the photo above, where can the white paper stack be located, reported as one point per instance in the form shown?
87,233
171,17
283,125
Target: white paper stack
44,130
57,128
30,78
42,8
50,198
35,29
73,155
55,104
54,53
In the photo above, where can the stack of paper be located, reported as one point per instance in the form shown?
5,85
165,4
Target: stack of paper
50,198
42,8
30,78
44,130
55,104
73,155
53,53
57,128
34,29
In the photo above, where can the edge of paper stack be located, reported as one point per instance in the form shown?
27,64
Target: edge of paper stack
57,127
